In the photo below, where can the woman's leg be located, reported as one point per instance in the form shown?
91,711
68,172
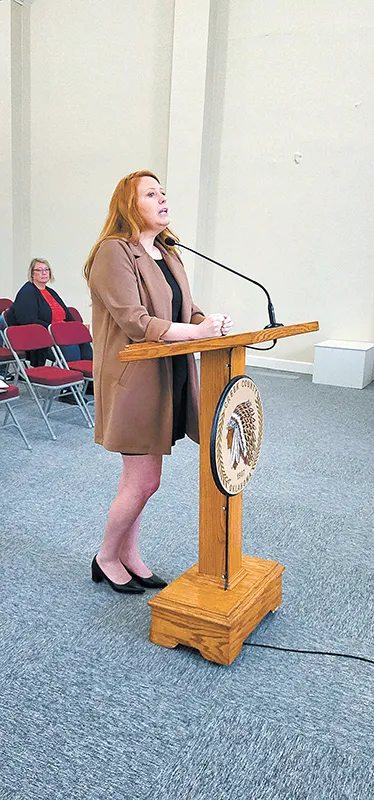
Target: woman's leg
139,480
129,551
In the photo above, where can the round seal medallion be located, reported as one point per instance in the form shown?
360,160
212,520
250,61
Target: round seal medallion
236,436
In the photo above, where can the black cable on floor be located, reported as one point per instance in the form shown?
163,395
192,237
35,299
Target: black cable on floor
309,652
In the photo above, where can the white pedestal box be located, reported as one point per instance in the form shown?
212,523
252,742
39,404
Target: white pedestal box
348,364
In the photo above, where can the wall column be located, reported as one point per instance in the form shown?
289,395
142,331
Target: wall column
6,210
21,189
186,121
15,143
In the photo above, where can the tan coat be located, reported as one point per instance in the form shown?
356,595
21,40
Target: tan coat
132,302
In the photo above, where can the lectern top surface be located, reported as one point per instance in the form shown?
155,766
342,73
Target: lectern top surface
135,352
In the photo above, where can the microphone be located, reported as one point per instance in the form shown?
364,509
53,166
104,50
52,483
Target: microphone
272,320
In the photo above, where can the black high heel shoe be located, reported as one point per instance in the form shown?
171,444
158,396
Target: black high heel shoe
154,582
131,587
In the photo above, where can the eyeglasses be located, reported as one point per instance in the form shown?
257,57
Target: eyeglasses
41,269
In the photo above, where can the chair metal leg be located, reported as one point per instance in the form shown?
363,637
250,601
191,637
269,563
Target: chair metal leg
87,410
88,414
80,402
38,403
18,426
49,401
86,385
90,418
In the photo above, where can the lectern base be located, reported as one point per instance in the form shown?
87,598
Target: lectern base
195,612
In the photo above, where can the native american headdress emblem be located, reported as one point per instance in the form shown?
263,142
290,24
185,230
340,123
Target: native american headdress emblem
241,434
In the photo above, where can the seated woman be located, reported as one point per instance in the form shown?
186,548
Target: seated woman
38,303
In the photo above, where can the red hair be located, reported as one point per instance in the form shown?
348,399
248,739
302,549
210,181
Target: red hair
124,221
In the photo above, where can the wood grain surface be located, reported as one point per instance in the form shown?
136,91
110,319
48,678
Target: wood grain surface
217,368
193,612
205,608
134,352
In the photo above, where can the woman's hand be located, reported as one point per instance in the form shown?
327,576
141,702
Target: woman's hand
226,325
214,325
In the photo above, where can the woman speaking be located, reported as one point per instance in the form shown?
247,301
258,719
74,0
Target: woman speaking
140,293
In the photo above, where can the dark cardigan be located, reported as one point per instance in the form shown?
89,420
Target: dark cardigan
30,307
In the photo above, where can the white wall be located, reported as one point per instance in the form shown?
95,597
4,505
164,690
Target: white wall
100,85
115,87
6,212
298,79
20,51
189,47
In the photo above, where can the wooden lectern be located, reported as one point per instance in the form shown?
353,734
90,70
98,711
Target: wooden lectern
216,604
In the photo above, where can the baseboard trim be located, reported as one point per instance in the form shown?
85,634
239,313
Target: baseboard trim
282,364
278,363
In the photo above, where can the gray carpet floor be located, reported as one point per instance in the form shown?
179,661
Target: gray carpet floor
91,710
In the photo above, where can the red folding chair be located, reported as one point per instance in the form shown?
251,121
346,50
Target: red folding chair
5,303
75,314
7,360
6,356
7,397
51,379
68,333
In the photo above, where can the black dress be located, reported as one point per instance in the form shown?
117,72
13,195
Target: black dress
180,368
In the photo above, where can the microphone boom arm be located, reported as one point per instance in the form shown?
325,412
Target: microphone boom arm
273,323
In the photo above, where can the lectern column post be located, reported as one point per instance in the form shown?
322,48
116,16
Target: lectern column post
220,528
